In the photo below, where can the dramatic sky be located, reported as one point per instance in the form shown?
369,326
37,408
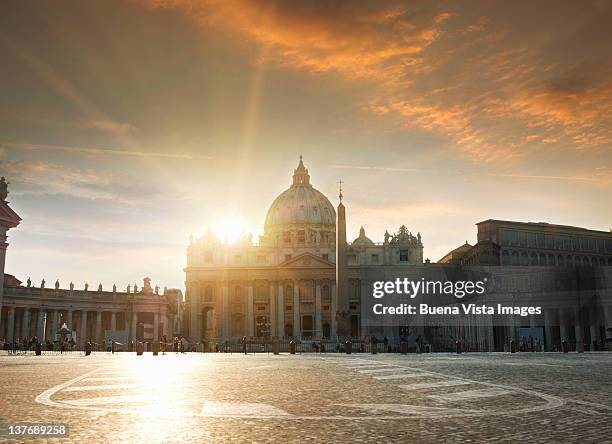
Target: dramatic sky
127,125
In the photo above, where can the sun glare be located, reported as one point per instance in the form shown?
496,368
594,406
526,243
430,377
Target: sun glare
230,228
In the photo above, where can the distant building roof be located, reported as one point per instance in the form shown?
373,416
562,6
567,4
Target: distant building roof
544,225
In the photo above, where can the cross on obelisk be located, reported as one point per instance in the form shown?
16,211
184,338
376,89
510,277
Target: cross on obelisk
340,182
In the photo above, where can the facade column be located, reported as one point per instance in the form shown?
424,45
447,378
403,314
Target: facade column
25,324
10,324
98,326
280,329
83,331
113,325
195,313
334,312
547,331
155,326
250,319
318,327
578,332
272,310
297,326
225,326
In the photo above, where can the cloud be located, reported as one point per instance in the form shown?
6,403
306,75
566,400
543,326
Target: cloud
99,151
377,168
111,126
495,86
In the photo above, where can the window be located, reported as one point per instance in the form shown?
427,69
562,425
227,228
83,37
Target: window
326,256
374,258
351,259
288,308
237,259
287,237
208,294
301,236
208,257
287,257
403,255
261,259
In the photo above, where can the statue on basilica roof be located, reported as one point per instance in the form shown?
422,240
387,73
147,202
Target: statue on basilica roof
3,188
57,284
42,284
29,282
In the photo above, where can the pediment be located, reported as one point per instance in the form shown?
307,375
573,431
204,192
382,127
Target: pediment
307,260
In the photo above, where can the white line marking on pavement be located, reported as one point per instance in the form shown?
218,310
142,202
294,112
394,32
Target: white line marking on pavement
221,408
101,387
430,385
109,400
471,394
404,375
378,370
110,378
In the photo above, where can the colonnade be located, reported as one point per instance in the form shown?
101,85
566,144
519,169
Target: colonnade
25,322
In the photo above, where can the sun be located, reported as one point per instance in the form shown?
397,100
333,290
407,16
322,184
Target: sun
230,228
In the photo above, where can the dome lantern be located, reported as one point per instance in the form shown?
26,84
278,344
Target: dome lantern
300,174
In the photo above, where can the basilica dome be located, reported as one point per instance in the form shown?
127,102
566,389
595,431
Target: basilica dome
300,205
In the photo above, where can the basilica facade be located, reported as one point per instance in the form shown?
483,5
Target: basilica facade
301,280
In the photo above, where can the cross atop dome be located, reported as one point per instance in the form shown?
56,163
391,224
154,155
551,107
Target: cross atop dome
300,174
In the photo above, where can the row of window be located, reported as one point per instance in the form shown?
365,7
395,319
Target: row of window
555,241
306,294
259,259
404,256
510,257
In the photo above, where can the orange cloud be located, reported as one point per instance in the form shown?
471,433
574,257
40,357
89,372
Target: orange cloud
460,74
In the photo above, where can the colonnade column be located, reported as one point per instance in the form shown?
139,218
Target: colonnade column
607,322
280,329
272,310
10,324
547,331
40,325
578,330
225,324
250,320
69,320
563,330
98,326
297,328
83,331
318,327
53,328
155,326
169,327
113,325
25,323
134,320
334,311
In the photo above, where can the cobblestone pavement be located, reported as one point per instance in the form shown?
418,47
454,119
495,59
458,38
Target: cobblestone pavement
531,397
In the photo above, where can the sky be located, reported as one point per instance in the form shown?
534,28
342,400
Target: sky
125,126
